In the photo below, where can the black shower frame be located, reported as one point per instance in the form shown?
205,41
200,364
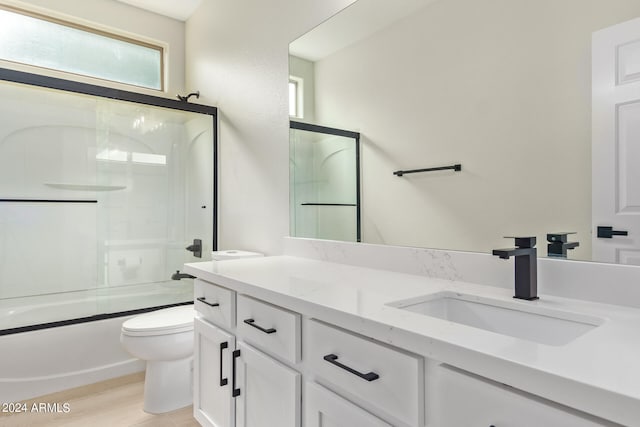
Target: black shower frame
31,79
347,134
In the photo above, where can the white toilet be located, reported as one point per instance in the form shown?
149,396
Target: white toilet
164,338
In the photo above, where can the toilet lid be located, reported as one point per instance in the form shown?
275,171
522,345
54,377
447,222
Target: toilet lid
168,320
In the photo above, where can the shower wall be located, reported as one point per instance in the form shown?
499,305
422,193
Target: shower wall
97,192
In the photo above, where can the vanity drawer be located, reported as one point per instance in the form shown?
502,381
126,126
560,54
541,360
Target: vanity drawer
459,398
271,328
215,303
383,377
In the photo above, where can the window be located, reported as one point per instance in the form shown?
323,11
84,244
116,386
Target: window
295,97
41,41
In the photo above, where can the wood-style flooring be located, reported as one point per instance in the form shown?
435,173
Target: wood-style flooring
113,403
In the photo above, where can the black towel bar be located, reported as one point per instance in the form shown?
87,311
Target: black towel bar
47,201
456,168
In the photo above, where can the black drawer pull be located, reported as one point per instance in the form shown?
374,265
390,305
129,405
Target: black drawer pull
223,381
252,322
235,392
204,300
333,359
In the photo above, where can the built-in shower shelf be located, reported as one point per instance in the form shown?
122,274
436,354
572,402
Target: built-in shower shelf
85,187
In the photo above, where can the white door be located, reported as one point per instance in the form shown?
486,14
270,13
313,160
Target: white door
616,142
326,409
213,405
268,392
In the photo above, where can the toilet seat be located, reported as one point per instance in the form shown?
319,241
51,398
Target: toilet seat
161,322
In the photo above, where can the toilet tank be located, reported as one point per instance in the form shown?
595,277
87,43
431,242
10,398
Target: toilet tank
233,254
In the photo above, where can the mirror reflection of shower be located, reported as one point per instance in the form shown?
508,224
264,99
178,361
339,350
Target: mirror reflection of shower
324,182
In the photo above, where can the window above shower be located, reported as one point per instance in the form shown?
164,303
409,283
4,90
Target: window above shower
47,43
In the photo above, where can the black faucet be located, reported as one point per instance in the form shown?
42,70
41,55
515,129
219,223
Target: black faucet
526,285
177,276
558,244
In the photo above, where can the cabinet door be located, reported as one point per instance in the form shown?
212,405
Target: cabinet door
213,405
462,399
268,392
326,409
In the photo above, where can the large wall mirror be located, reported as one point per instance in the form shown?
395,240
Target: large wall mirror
503,88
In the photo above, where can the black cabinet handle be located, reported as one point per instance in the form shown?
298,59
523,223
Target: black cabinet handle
609,232
223,381
210,304
333,359
235,392
252,322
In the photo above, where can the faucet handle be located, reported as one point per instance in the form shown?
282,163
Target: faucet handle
560,236
523,242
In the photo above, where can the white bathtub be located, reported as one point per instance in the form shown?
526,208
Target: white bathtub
44,361
36,363
39,309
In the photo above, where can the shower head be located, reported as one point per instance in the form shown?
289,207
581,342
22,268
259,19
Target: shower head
186,98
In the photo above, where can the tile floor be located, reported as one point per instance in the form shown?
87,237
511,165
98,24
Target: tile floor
113,403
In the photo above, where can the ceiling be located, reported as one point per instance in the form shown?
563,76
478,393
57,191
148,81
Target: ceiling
358,21
176,9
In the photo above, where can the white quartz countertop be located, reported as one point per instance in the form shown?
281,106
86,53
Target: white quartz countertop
598,372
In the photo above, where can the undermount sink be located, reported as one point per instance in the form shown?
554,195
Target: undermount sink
533,322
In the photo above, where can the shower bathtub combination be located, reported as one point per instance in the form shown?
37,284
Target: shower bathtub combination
101,192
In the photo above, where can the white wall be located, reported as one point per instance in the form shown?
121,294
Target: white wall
237,56
301,68
501,86
113,16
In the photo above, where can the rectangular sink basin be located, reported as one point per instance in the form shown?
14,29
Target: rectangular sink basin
532,323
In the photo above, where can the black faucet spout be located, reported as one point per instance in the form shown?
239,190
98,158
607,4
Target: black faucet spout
559,245
508,253
526,267
178,276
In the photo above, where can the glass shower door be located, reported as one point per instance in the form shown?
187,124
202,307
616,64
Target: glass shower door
157,167
99,198
324,187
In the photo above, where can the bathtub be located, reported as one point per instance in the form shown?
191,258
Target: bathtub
44,361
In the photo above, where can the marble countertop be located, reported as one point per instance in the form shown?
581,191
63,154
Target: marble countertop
598,372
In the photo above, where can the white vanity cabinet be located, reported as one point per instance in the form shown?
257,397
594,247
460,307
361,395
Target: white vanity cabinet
236,384
457,398
318,344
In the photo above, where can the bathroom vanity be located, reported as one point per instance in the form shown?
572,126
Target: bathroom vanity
297,340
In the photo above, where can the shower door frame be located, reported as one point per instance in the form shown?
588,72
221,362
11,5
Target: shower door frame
43,81
309,127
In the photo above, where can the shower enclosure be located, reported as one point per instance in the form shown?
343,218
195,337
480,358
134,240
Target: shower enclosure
324,182
101,191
